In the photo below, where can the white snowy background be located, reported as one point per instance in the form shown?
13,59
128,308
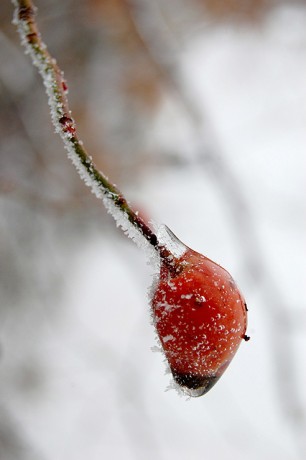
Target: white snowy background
75,304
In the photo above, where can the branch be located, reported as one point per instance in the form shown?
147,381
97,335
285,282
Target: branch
56,87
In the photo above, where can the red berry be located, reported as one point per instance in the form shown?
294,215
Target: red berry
200,317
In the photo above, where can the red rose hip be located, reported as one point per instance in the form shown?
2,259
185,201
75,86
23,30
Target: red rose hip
200,317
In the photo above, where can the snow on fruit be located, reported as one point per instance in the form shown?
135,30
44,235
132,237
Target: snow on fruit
200,317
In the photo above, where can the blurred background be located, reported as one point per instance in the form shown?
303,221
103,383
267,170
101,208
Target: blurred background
197,111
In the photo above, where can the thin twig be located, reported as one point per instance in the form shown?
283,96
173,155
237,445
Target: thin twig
64,124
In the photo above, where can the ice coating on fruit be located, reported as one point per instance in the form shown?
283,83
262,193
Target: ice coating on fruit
200,318
170,241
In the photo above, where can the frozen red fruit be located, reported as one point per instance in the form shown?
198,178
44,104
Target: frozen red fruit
201,319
